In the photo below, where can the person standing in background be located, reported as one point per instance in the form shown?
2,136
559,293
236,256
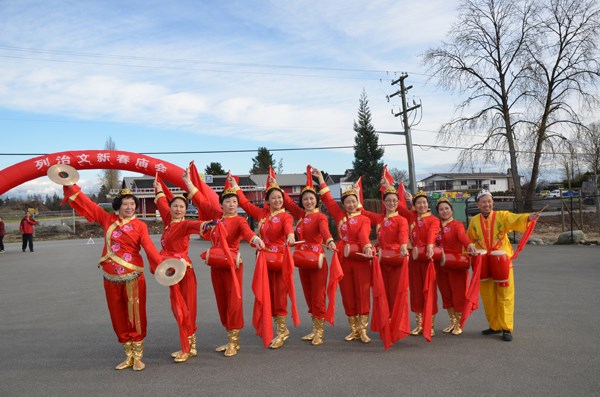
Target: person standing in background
26,228
1,235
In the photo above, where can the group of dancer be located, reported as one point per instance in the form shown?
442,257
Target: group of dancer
403,263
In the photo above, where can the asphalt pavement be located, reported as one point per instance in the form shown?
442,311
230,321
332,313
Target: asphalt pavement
57,340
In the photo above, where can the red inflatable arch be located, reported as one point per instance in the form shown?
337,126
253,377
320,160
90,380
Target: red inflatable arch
27,170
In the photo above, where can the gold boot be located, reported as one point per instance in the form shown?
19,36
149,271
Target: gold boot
282,333
319,327
449,328
457,329
353,335
432,323
362,328
232,347
193,350
128,349
419,328
138,353
312,334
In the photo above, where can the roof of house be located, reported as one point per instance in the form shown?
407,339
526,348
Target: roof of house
467,175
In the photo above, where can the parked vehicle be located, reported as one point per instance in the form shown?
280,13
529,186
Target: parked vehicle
553,194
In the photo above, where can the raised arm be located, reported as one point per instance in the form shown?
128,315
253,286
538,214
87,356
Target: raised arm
332,206
84,206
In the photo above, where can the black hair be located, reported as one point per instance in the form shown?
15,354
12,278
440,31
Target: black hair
271,190
116,204
348,195
179,198
224,195
441,202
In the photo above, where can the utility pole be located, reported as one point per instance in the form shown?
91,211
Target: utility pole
409,148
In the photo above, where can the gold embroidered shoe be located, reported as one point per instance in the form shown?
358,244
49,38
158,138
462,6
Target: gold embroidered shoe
318,326
353,335
419,328
457,329
282,333
450,328
362,330
232,347
128,349
138,354
312,334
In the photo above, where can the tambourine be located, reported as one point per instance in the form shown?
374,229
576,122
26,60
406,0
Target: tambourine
63,174
304,259
216,257
170,271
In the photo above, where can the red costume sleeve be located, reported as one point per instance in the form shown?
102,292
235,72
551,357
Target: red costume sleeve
403,228
245,231
324,227
152,253
292,207
332,206
433,228
206,209
461,234
86,207
163,209
373,217
364,232
251,209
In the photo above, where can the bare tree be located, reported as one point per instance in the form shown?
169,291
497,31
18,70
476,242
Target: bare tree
588,146
522,64
399,175
110,178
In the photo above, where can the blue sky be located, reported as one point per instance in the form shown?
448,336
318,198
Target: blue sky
161,76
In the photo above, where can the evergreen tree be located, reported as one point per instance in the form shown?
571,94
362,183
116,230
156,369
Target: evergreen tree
110,177
214,168
262,161
367,152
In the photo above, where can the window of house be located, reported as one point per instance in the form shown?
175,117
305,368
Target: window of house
492,181
463,183
295,189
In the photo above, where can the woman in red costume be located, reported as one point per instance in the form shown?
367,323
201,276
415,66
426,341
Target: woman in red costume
123,267
236,228
276,229
392,236
353,228
452,283
175,243
424,229
313,230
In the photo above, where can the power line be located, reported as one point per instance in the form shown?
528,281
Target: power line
421,146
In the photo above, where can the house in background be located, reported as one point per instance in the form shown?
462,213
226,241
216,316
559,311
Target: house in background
467,182
340,183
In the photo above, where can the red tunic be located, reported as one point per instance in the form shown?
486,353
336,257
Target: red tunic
392,232
236,227
122,264
352,229
175,243
26,226
313,229
423,232
274,227
452,283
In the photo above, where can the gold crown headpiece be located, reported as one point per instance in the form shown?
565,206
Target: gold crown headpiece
228,192
125,192
273,186
390,190
443,200
420,193
308,189
350,192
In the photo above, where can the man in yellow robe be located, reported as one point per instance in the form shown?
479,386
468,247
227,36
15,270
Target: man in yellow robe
489,231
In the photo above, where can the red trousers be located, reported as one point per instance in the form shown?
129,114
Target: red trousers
453,287
127,307
186,321
416,280
356,287
230,309
278,293
314,285
391,281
